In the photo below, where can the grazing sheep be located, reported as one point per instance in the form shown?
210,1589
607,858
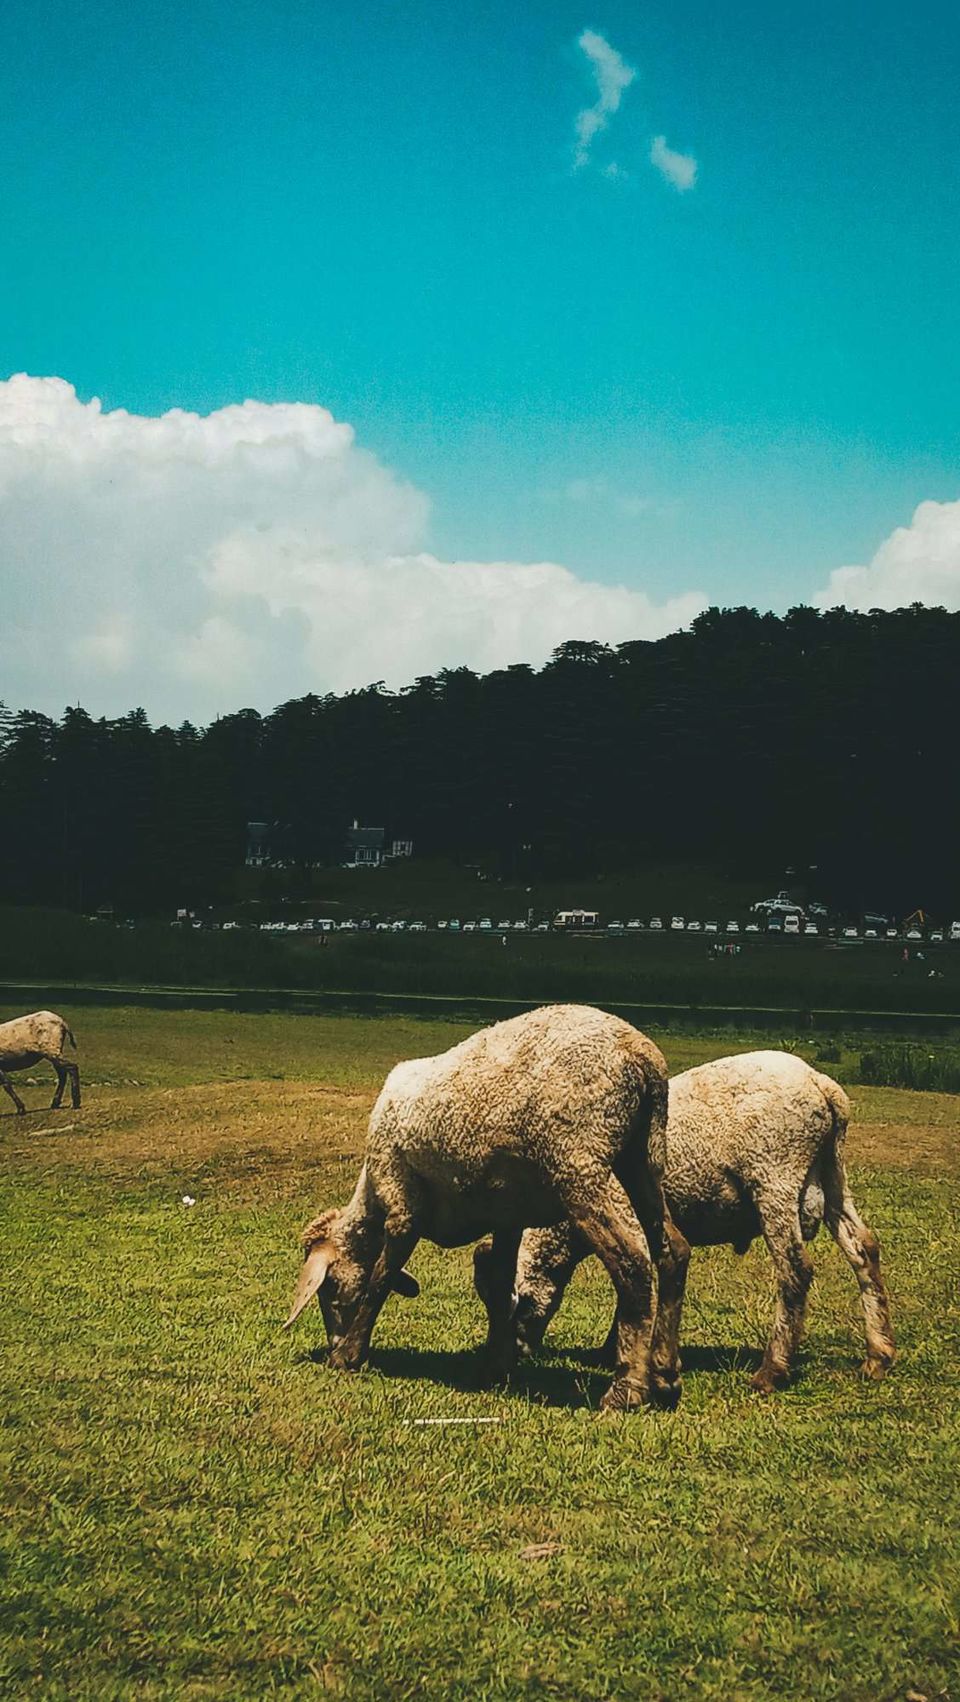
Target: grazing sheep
547,1117
27,1039
754,1146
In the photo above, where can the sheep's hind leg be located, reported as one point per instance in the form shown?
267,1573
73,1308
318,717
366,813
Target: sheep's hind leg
607,1221
794,1267
671,1251
350,1352
61,1073
66,1071
861,1248
73,1071
9,1088
499,1278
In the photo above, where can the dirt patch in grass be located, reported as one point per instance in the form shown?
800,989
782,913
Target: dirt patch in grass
267,1134
926,1149
277,1131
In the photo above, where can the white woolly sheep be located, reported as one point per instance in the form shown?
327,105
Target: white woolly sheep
548,1117
754,1146
28,1039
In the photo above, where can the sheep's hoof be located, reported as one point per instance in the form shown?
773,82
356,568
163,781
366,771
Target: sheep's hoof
341,1361
498,1372
665,1390
767,1381
624,1395
876,1366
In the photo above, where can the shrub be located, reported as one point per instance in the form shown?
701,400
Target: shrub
911,1066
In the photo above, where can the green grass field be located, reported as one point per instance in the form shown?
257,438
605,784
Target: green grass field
195,1506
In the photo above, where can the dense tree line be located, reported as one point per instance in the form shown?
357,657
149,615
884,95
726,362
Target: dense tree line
751,741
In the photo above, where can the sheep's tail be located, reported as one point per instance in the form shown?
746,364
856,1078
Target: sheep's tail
826,1174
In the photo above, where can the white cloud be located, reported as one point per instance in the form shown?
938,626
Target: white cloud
613,76
919,563
678,169
193,564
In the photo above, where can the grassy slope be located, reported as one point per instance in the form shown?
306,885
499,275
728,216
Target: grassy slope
196,1507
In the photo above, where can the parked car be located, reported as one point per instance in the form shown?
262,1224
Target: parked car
442,924
810,928
955,931
892,933
485,924
693,928
936,938
633,924
711,927
913,934
520,926
469,927
752,928
850,934
418,927
870,934
733,927
791,924
775,925
677,923
453,926
656,924
615,927
782,905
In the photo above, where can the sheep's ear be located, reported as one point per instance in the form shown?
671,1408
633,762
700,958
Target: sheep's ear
406,1284
315,1267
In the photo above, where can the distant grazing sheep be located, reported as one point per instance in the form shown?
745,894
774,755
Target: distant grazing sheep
557,1114
754,1146
28,1039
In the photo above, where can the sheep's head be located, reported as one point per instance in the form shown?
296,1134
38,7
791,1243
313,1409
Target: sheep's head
337,1265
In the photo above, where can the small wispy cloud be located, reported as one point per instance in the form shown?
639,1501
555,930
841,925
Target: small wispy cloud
678,169
613,77
600,493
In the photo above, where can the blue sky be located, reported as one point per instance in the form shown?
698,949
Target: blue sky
738,388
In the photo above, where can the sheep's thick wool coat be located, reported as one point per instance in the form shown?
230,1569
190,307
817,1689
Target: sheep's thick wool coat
27,1039
493,1133
746,1129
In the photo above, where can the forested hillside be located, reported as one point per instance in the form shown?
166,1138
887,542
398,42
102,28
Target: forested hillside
751,741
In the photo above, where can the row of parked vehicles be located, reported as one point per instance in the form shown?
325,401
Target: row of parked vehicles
796,923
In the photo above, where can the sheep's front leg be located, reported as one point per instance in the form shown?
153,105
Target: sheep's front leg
861,1248
353,1347
9,1088
794,1267
499,1278
545,1264
610,1226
